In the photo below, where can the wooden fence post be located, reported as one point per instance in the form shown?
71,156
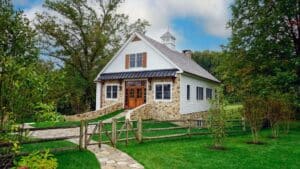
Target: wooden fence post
100,133
81,135
114,132
127,128
85,134
139,129
243,124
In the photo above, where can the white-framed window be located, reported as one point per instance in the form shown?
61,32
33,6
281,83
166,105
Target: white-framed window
208,93
136,60
111,91
163,91
199,93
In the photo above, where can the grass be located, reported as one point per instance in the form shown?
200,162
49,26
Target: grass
72,159
74,123
283,152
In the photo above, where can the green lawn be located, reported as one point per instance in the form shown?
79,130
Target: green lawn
74,123
72,159
283,152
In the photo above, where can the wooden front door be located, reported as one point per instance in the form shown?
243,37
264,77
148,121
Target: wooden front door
135,94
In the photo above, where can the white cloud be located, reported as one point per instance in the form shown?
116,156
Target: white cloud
211,14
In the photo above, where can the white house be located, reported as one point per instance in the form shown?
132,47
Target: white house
146,72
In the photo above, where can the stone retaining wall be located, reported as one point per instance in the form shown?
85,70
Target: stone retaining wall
143,111
94,114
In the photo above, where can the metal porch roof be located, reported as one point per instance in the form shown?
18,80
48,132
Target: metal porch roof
138,74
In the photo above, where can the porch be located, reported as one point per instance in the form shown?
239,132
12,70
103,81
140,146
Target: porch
131,88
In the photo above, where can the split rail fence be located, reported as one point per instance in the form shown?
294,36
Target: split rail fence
98,133
139,131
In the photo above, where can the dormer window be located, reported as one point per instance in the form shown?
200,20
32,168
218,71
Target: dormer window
136,60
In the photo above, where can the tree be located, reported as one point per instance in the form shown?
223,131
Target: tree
84,37
17,37
254,112
274,114
263,52
217,120
209,60
18,52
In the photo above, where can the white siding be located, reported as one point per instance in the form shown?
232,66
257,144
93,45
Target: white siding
193,105
154,60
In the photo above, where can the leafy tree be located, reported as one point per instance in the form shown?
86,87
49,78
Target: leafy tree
254,112
18,52
217,120
209,60
84,35
274,115
263,53
17,37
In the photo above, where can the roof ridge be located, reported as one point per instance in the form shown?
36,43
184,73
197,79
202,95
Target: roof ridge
185,63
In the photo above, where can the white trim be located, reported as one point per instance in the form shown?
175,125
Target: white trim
111,84
199,100
98,95
135,60
117,54
126,43
166,58
162,100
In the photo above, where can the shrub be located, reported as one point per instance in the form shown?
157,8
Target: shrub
8,153
37,160
254,112
274,115
217,120
287,115
45,112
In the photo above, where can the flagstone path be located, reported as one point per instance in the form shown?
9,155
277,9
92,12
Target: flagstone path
108,157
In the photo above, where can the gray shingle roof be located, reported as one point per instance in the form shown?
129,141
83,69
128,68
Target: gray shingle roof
186,64
139,74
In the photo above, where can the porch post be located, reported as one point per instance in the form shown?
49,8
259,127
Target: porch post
98,95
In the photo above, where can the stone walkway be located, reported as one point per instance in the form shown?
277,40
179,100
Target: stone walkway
108,157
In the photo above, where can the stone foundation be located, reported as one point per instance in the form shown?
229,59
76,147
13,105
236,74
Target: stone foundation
94,114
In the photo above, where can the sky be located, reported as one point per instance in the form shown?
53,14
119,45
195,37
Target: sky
196,24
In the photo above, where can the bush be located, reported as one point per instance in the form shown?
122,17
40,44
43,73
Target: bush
274,115
254,112
37,160
8,153
45,112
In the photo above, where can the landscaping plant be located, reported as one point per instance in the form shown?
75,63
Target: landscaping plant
287,115
274,115
11,142
254,112
46,112
37,160
217,120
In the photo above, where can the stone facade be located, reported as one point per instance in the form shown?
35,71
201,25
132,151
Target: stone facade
165,110
153,109
94,114
120,97
159,110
